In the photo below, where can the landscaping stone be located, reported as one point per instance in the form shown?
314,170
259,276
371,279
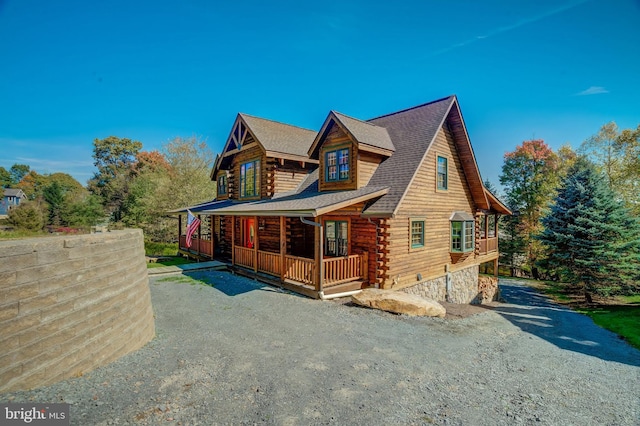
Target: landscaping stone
399,303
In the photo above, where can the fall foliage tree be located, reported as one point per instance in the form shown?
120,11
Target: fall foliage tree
529,176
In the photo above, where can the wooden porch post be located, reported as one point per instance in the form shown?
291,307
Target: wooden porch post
319,240
211,233
199,233
255,244
233,240
179,229
283,245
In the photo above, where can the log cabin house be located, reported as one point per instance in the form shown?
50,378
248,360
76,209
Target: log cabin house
394,202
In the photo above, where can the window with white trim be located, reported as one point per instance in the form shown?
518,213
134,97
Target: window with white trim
462,236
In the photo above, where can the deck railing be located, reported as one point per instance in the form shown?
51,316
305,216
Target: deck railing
488,245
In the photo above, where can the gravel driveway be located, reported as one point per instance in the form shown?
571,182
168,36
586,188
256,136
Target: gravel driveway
244,353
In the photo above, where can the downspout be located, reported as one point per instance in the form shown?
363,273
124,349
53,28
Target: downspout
318,225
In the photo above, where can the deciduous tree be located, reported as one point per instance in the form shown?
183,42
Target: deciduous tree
529,176
114,157
18,171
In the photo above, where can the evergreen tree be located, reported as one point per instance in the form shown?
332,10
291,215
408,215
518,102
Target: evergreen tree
592,239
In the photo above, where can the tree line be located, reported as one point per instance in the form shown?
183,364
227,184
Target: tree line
131,187
576,213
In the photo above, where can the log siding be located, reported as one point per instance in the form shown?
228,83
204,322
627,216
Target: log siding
436,207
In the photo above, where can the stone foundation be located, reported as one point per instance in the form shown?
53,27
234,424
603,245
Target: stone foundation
464,287
69,304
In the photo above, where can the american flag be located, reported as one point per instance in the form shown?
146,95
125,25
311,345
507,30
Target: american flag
192,226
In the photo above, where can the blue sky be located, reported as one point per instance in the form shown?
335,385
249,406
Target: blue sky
72,71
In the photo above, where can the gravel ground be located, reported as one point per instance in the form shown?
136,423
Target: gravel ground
244,353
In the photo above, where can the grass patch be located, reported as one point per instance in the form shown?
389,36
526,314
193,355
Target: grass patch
186,279
623,320
619,314
18,234
152,248
169,261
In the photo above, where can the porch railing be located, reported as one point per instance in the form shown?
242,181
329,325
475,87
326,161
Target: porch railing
243,256
488,245
269,262
198,246
299,269
337,270
340,270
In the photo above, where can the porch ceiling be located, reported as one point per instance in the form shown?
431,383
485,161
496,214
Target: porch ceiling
299,205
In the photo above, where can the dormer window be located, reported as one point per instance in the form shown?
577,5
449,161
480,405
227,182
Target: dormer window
337,165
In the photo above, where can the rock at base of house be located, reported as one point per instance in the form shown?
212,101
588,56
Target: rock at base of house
399,303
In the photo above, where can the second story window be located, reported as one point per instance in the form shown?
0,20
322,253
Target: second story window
222,185
337,165
442,174
250,179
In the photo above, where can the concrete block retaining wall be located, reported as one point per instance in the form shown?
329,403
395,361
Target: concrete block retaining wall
69,304
464,287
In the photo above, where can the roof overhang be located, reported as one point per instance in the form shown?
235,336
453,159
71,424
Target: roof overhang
496,205
299,205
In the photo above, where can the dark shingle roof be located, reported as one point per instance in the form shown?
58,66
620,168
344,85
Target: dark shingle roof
412,132
366,133
280,137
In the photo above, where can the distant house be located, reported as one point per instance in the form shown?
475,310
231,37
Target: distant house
10,199
395,202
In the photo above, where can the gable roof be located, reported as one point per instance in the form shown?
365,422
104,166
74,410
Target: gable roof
13,192
276,137
369,136
413,131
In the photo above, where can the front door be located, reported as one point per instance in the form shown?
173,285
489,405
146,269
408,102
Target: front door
248,232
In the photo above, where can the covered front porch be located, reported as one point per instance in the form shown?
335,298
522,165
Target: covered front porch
315,244
299,254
